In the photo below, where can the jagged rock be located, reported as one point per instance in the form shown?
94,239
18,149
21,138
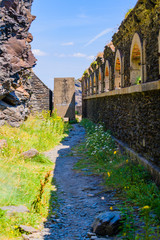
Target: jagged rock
15,209
16,60
3,143
27,229
30,153
107,223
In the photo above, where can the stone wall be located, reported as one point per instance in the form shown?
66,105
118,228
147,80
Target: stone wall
130,105
132,118
41,97
16,60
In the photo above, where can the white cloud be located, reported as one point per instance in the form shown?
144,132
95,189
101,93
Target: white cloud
75,55
38,52
79,55
82,55
98,36
67,44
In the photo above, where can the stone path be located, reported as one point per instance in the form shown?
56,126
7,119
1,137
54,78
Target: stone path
80,196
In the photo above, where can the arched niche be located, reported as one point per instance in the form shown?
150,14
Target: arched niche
91,84
159,50
118,70
94,83
107,76
85,87
88,86
100,80
136,60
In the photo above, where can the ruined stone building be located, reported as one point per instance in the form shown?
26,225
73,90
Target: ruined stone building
122,87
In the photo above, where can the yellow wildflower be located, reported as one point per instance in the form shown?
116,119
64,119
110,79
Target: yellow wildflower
146,207
127,161
111,208
108,173
124,234
115,152
16,227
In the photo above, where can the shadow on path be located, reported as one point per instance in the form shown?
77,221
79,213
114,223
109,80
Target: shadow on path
78,200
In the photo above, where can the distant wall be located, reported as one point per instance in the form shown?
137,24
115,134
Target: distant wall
41,98
64,97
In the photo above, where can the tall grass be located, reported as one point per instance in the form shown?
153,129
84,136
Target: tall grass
19,177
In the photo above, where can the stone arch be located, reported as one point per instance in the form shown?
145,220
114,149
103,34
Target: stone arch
107,78
100,80
118,70
136,60
91,85
94,83
159,50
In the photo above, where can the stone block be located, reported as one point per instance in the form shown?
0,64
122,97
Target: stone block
64,97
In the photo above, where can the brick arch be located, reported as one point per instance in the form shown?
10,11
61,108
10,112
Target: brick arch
136,60
107,76
118,70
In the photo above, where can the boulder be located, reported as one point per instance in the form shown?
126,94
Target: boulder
107,223
30,153
3,143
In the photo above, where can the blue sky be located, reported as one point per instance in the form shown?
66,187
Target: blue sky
68,34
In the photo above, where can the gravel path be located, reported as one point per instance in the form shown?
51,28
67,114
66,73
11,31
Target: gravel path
79,195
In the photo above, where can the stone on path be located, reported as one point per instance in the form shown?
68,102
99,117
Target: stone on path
3,143
107,223
34,236
27,229
90,234
30,153
15,209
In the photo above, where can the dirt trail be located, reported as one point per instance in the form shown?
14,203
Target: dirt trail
78,194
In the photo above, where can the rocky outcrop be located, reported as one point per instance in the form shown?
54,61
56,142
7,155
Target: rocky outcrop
16,60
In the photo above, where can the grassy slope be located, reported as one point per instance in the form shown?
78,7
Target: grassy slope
19,178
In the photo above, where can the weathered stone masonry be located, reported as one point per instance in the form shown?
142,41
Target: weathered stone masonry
41,96
122,87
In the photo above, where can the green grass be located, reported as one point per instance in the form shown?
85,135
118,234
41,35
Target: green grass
133,184
20,178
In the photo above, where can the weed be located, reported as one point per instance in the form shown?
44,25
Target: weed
38,202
